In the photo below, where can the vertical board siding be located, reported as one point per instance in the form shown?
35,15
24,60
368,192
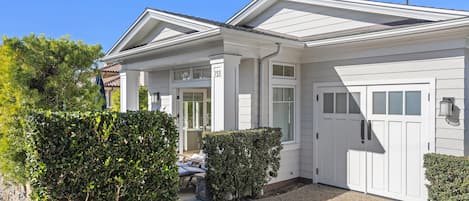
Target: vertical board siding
450,82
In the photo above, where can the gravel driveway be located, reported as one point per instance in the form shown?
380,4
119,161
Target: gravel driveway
314,192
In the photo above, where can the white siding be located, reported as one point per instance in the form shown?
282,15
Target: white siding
164,31
466,102
158,81
247,113
447,67
303,20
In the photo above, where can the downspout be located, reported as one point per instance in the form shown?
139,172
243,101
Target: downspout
259,84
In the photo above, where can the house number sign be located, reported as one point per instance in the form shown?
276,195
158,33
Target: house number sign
217,73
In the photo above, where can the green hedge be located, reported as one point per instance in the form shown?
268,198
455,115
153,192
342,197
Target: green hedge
448,176
240,163
102,156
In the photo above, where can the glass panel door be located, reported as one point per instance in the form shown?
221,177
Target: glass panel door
195,118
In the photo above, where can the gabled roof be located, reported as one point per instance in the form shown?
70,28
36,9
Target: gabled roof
256,7
198,23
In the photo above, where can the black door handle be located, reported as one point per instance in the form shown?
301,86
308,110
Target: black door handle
362,124
369,130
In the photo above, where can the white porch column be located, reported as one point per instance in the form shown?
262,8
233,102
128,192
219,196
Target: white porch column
225,90
129,90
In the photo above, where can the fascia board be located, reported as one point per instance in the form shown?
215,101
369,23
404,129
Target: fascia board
437,26
255,6
181,21
149,14
162,44
385,9
256,36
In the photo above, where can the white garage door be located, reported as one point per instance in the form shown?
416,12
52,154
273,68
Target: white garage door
372,139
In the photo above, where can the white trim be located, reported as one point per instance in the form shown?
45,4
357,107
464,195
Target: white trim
407,11
431,105
162,44
437,26
287,83
148,14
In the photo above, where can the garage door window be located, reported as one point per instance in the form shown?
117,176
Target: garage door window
413,103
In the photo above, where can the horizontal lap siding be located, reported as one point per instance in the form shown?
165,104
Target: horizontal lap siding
450,82
302,20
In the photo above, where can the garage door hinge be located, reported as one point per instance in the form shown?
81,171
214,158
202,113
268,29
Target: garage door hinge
428,96
317,136
317,97
317,171
177,97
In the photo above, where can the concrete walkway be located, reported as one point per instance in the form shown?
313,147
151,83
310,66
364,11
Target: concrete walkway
314,192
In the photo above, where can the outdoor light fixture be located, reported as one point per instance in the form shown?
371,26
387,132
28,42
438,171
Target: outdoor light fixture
447,107
155,101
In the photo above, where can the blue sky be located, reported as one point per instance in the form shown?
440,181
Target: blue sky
104,21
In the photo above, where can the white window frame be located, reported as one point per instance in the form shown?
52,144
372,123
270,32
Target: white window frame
191,73
275,77
287,82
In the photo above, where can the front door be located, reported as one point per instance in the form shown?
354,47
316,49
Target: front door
195,119
372,139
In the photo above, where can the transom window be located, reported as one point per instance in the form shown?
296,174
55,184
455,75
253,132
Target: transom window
283,71
284,112
200,73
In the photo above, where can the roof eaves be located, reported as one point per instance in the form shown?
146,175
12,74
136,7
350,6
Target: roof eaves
392,32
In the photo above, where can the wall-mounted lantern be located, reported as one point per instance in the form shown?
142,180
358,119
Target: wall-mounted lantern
155,101
447,107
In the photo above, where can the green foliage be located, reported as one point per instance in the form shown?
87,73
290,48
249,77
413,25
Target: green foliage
240,163
142,99
41,73
448,176
116,100
102,156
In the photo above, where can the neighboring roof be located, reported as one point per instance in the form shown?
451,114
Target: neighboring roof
113,68
112,82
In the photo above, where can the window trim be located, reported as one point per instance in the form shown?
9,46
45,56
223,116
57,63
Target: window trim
277,77
191,73
275,82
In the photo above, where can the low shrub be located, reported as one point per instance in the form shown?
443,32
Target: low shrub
448,176
240,163
102,156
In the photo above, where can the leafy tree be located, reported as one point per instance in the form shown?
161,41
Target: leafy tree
142,99
41,73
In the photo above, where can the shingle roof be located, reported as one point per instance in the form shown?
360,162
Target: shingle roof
112,82
113,68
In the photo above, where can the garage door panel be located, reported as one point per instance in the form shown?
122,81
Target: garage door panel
395,155
379,147
414,159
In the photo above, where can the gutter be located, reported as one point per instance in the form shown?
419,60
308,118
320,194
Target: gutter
259,83
437,26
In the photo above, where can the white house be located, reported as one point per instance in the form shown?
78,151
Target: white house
355,85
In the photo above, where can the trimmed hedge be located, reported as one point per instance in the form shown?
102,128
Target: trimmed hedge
240,163
448,176
102,156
